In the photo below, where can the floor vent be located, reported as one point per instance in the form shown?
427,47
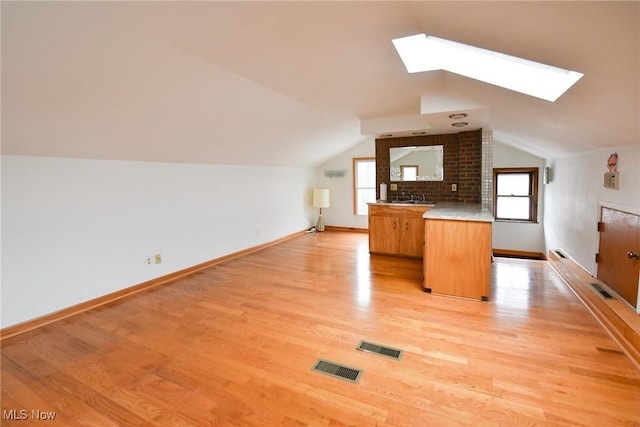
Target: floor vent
602,292
337,371
560,254
370,347
609,350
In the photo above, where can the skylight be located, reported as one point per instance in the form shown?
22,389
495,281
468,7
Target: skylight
422,52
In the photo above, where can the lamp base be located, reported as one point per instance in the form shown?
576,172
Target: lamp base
320,224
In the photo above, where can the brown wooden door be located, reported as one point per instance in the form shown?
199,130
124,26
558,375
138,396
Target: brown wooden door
619,242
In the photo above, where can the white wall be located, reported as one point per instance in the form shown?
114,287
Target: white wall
341,211
528,237
74,230
576,193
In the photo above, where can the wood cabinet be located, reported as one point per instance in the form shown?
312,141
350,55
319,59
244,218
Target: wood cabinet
397,230
457,258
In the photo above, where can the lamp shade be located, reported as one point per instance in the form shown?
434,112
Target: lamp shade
321,198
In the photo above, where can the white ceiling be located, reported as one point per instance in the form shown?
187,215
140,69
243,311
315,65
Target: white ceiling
295,83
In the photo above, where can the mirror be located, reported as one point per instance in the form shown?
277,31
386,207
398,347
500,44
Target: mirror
423,163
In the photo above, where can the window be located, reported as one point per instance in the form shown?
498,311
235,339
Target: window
422,52
409,173
364,184
516,194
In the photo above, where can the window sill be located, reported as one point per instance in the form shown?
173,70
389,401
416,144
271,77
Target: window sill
516,221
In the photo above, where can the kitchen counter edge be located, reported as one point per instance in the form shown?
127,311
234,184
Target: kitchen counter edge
459,212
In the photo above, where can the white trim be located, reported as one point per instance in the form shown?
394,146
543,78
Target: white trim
619,206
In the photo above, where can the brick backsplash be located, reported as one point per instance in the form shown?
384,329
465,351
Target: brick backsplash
462,161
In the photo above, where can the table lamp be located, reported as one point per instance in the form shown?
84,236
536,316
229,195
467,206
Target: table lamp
320,200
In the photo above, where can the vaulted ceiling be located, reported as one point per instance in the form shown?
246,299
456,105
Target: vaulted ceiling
296,83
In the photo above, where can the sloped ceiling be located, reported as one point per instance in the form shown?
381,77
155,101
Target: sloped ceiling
295,83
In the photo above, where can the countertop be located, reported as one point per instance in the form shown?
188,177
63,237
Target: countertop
408,203
459,212
448,210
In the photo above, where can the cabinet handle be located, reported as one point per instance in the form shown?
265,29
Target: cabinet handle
633,255
395,225
406,225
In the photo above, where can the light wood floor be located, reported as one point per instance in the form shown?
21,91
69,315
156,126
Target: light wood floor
235,344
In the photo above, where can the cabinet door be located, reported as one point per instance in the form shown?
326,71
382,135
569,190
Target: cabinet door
383,234
412,236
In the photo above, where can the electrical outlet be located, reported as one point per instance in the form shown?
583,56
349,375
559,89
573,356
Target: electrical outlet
454,187
148,261
158,258
393,187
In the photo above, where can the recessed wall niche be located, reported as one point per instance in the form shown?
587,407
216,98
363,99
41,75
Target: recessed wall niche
462,164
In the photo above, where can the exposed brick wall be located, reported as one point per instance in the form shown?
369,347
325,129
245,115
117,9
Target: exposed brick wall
469,166
462,161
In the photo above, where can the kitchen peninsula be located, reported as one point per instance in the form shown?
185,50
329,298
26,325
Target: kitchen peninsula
453,239
458,253
453,235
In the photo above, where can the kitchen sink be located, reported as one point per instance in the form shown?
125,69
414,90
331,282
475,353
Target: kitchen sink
412,202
